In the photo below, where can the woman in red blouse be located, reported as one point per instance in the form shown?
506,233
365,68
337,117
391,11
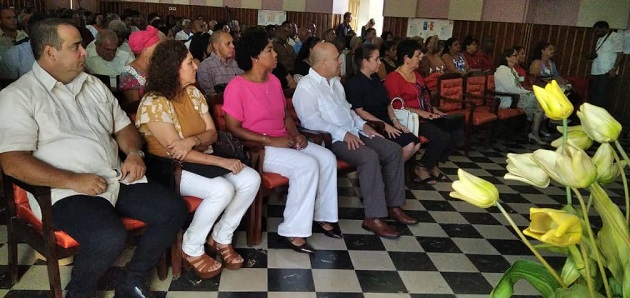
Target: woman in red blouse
408,84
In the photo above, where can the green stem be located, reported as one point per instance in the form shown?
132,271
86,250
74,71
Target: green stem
598,258
625,186
587,269
565,138
623,152
531,247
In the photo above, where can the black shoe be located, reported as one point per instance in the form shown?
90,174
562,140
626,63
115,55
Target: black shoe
304,248
334,233
127,290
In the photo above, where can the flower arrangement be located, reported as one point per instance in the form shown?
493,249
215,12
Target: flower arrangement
597,265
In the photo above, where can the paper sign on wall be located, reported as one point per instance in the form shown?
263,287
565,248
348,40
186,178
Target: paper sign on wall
428,27
271,17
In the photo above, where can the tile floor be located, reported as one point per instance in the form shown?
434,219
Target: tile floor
457,250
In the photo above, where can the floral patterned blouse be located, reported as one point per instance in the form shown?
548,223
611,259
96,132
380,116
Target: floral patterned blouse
185,113
132,79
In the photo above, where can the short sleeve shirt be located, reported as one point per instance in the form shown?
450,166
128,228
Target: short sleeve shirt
184,113
132,79
69,126
259,106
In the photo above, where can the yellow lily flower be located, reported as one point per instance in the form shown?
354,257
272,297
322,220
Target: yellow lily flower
522,168
598,124
556,227
553,101
578,137
607,169
573,168
474,190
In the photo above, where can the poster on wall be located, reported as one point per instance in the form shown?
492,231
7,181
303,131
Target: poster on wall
271,17
428,27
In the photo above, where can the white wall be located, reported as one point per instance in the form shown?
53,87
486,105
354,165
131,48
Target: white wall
370,9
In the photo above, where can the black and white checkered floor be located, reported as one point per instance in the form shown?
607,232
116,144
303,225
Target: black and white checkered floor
457,250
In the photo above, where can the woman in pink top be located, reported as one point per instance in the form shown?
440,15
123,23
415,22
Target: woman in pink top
255,110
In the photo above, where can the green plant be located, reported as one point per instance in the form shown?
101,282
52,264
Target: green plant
596,265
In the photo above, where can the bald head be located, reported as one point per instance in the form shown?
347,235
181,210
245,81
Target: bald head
218,35
325,59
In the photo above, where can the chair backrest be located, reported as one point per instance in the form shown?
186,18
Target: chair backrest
476,86
490,82
450,86
215,102
292,112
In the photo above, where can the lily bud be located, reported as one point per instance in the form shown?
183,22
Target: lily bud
556,227
522,168
474,190
598,124
573,168
607,170
553,101
579,138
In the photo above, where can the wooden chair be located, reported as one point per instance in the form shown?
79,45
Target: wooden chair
24,227
450,99
512,115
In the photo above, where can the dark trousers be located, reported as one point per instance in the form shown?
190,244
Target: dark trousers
96,225
599,87
442,143
381,173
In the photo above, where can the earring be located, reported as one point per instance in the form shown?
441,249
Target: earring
256,59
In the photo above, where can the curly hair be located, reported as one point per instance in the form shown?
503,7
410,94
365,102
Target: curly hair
253,41
163,73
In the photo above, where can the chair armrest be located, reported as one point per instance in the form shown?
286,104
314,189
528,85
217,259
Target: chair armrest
41,193
379,126
317,136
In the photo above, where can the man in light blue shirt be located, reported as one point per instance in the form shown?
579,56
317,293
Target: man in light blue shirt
19,59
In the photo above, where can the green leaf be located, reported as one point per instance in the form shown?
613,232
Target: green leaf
570,271
533,272
553,248
575,291
612,238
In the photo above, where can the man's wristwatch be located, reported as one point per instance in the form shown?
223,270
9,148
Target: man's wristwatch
139,152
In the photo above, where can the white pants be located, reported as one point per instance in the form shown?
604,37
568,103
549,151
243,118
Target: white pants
230,194
312,174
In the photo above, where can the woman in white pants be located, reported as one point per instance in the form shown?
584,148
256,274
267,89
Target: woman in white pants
173,118
255,110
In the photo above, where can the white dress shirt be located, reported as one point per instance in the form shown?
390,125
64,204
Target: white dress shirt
97,65
607,53
321,105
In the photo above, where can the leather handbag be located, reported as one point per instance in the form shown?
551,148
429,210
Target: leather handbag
227,146
405,117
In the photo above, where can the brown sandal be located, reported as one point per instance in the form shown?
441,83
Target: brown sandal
202,265
228,254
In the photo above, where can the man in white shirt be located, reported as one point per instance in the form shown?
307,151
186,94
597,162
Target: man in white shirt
62,128
185,33
104,58
606,66
320,103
